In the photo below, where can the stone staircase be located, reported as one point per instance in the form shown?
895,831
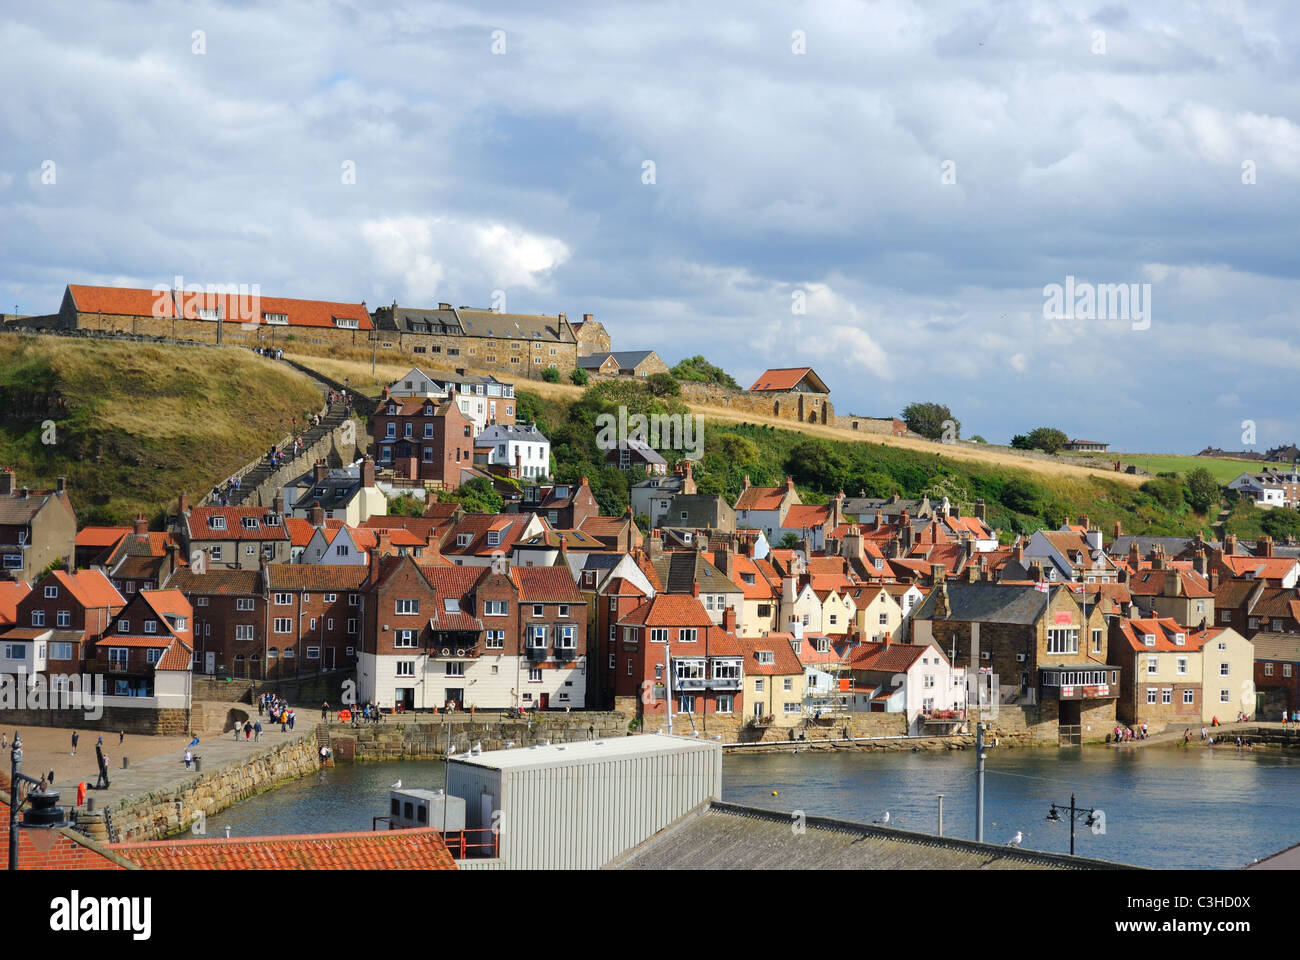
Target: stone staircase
254,477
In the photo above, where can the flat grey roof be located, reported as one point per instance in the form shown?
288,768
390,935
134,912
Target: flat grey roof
566,754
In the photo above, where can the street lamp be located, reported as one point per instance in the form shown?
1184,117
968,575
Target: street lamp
1091,818
45,817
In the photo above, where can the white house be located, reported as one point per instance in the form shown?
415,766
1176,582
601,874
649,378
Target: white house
917,680
515,445
1264,492
483,399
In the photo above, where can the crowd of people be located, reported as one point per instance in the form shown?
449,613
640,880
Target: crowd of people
1123,734
277,709
274,353
222,494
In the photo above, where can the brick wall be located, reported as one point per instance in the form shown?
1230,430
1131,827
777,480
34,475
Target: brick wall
68,852
140,721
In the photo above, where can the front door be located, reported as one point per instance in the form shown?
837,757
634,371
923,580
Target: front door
210,663
456,696
545,701
329,658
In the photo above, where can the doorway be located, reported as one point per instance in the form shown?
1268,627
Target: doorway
544,701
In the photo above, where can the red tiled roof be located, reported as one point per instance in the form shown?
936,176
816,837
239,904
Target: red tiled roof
122,301
101,536
781,378
760,498
11,594
91,588
784,662
318,577
417,849
216,583
301,531
200,527
176,657
162,303
546,585
1263,568
1163,629
423,527
807,515
669,610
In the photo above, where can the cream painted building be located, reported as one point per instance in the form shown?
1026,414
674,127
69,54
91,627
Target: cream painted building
877,613
773,681
1228,675
486,682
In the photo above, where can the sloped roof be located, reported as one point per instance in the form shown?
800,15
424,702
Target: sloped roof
669,610
787,378
784,662
199,524
101,536
216,583
1164,629
415,849
546,585
318,577
1277,646
11,594
987,603
760,498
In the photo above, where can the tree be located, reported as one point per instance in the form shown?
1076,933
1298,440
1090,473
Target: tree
1047,439
1023,497
405,506
698,370
579,376
1280,522
1021,442
1202,490
978,439
476,496
1165,491
931,420
790,541
551,374
663,385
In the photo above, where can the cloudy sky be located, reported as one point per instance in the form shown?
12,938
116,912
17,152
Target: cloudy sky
909,176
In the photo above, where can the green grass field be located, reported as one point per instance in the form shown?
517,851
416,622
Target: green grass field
1153,463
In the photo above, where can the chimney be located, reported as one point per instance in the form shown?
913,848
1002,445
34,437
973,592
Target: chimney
729,620
722,560
889,639
368,472
972,572
1158,558
384,394
63,485
141,525
316,516
1084,522
183,504
942,608
787,590
937,571
746,483
1020,551
1134,558
1230,545
1173,586
586,317
695,588
979,509
656,544
8,479
23,492
1199,563
277,503
1118,530
374,568
837,511
688,478
880,519
1264,547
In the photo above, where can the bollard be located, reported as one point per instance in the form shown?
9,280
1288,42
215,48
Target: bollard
126,761
90,804
198,764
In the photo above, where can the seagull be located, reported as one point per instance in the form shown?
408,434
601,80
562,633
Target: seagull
397,785
1015,841
451,750
884,820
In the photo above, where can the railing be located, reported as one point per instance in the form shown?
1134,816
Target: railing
706,683
115,667
478,842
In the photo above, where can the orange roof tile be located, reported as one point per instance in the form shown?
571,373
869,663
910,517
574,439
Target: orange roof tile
417,849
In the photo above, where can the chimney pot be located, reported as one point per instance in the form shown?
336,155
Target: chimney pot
141,525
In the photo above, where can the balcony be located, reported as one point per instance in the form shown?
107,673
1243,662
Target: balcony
565,653
537,653
116,667
706,683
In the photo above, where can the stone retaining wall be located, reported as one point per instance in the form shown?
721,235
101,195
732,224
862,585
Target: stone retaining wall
144,722
427,737
175,808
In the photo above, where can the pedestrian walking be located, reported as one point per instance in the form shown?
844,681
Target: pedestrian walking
284,723
248,732
291,718
324,711
257,731
238,726
121,737
75,737
189,758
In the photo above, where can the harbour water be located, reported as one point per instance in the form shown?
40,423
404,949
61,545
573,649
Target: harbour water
1164,807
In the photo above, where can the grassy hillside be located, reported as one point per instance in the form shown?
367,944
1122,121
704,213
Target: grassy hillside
1222,469
135,424
1017,501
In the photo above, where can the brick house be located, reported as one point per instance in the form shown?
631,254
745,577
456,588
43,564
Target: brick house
563,505
623,363
57,623
143,559
1277,672
313,615
480,538
148,651
421,438
1160,665
765,507
704,664
37,528
230,619
1037,642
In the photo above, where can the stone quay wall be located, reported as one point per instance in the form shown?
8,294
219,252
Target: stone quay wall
176,808
428,736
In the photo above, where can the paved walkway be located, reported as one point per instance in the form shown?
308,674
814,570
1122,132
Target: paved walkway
154,762
1228,731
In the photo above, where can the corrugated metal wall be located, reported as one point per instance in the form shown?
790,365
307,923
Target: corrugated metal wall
581,816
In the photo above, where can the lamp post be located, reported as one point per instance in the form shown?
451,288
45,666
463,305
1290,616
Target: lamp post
45,816
1090,817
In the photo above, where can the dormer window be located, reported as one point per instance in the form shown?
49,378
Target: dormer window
278,318
217,523
494,538
428,410
766,656
1149,639
1180,638
464,539
348,323
250,523
748,578
209,313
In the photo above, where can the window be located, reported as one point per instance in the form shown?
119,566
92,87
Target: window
1224,696
18,651
1268,669
244,631
1286,669
354,599
496,640
725,704
283,624
766,656
1096,641
38,618
451,604
658,635
331,597
51,593
217,523
535,673
537,637
884,619
1182,666
151,655
60,651
792,708
405,668
566,639
117,656
1167,696
494,608
407,607
1151,694
1063,641
686,635
629,667
124,626
613,661
1189,696
455,668
352,626
151,626
244,603
537,610
13,561
758,684
283,599
788,683
1223,669
1152,664
1225,616
564,610
685,704
404,638
928,680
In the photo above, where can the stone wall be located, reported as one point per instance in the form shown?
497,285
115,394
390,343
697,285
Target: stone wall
174,809
139,721
342,445
782,404
427,737
735,728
